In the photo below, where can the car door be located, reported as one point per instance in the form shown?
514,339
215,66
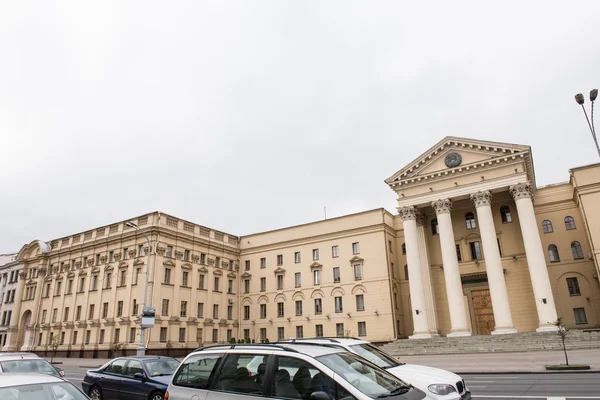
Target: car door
135,389
236,379
112,381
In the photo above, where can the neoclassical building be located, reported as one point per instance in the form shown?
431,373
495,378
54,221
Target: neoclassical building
475,248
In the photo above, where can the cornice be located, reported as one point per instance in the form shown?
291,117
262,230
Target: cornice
555,206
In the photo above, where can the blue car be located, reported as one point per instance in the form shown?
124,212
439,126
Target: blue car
130,378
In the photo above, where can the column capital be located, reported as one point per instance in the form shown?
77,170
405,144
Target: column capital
442,206
521,191
407,213
421,219
482,198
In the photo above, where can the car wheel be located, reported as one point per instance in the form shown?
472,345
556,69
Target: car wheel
157,396
96,393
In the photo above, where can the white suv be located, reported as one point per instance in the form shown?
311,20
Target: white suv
308,371
438,384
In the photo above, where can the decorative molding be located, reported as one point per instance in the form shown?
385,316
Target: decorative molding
359,288
123,264
186,265
298,295
407,213
482,198
521,190
231,275
246,275
317,293
161,250
280,297
421,219
203,270
262,299
102,258
315,265
23,274
138,261
337,289
217,272
108,268
356,259
78,264
169,263
442,206
224,264
90,262
132,253
178,254
195,258
246,301
279,271
117,256
211,261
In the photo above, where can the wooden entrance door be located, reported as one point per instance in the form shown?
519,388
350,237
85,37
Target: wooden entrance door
484,313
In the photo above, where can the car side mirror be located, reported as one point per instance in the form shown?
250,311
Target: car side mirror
319,396
139,375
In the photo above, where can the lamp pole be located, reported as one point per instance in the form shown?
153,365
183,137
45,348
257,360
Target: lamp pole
580,100
141,350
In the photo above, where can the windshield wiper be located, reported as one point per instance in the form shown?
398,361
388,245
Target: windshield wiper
398,390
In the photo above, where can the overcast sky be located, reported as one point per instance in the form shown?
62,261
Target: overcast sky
254,115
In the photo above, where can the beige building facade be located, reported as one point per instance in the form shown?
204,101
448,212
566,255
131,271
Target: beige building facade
476,248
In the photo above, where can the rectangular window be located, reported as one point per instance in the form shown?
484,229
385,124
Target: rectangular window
165,308
263,284
319,330
43,317
119,308
167,276
280,333
475,250
580,317
298,307
458,254
336,274
390,246
298,279
140,251
169,252
88,335
91,312
182,334
94,282
263,311
201,282
362,329
57,291
246,334
229,312
70,286
279,282
230,286
215,335
339,330
163,335
66,314
123,277
355,248
81,288
280,309
132,335
279,259
247,264
107,280
200,313
216,284
357,272
318,306
299,332
101,337
263,334
125,255
117,335
215,311
317,277
202,258
297,257
246,285
186,255
263,263
183,309
134,308
185,275
105,310
229,334
339,306
573,285
111,256
97,259
315,254
335,251
360,302
138,271
246,312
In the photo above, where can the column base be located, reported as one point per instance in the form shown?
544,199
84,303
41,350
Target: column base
459,334
421,335
547,328
503,331
434,334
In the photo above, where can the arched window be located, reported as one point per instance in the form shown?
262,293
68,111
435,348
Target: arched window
403,248
569,223
547,226
576,250
470,220
505,214
435,229
406,272
553,253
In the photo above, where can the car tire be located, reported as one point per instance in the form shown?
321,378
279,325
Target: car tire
156,396
95,393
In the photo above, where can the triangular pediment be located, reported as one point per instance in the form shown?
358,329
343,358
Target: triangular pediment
453,154
279,271
315,265
356,259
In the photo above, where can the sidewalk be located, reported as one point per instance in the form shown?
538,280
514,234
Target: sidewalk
526,362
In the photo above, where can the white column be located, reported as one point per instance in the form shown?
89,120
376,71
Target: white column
493,263
540,281
417,298
456,303
425,269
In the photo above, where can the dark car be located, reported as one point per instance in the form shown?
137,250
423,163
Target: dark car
130,378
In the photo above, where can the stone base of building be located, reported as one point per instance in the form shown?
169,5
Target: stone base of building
421,335
503,331
459,334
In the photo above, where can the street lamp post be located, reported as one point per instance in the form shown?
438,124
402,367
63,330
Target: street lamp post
141,350
580,100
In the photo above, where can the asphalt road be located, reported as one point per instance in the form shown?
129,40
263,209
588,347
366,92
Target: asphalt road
552,386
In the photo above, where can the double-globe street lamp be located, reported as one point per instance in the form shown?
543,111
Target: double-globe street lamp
141,350
580,100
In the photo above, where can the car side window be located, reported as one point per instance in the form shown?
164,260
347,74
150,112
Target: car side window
298,379
133,367
238,374
116,367
197,371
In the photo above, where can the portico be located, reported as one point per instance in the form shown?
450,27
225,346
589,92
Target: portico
472,174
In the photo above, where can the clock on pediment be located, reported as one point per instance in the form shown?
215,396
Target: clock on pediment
453,160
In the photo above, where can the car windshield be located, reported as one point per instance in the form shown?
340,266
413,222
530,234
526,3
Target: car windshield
42,391
161,366
375,355
37,365
364,376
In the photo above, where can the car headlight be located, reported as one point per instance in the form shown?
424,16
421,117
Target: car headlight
441,388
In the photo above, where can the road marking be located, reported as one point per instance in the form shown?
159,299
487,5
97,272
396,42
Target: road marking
556,398
477,387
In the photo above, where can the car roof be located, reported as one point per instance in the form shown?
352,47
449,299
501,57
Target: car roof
22,358
8,379
308,348
337,340
142,358
18,354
